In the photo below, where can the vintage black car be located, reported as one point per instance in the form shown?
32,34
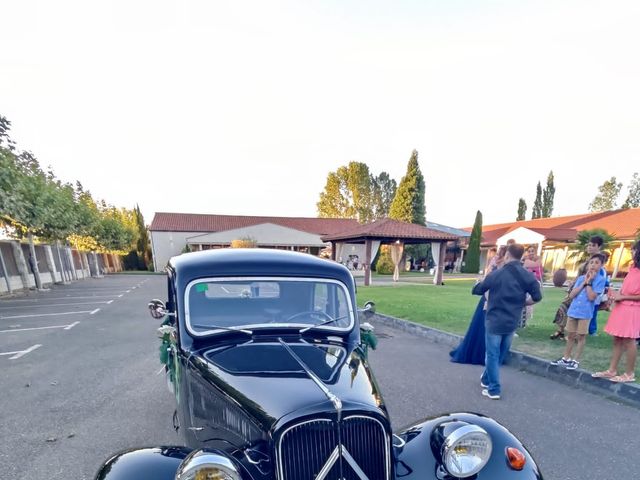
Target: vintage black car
265,356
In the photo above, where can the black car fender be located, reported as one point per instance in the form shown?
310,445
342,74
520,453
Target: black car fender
162,463
157,463
415,458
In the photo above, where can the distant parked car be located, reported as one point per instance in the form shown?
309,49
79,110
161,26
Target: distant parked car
265,355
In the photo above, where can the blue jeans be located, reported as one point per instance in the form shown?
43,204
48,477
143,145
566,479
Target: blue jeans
593,324
497,348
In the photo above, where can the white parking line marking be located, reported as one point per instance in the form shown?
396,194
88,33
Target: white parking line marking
127,291
55,299
95,311
65,327
88,290
21,353
55,305
109,302
120,296
49,314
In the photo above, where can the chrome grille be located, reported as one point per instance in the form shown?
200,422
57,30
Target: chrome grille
304,450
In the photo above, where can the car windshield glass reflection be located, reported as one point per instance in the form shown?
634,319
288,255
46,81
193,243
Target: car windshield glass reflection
272,359
218,305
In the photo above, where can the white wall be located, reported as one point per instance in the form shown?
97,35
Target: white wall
166,245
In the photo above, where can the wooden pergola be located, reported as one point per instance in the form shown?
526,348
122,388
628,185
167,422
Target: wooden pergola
392,232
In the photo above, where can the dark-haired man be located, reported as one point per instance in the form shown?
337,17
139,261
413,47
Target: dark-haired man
508,288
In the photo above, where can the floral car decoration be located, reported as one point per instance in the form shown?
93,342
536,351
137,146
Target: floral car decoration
266,355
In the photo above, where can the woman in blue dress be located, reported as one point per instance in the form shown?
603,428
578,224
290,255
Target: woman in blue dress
472,348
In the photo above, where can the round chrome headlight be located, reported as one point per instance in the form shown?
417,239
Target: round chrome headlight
466,451
203,465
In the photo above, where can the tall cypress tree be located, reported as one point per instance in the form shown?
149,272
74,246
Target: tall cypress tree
536,212
547,197
408,202
142,246
472,260
522,209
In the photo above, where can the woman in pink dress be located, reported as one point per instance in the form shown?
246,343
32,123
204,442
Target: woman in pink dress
624,323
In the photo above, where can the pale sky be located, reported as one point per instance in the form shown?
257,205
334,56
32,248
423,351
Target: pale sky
244,107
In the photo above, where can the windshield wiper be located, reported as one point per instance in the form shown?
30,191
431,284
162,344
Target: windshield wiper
326,322
228,329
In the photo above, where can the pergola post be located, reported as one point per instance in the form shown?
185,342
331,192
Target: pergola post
620,252
367,262
440,266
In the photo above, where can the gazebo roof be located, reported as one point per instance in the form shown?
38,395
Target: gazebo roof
388,229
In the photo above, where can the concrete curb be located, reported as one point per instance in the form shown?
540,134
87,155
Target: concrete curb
627,393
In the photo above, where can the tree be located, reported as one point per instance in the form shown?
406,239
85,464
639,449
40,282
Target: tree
347,194
522,210
244,242
633,197
142,244
547,197
383,189
5,139
472,260
580,253
409,201
607,196
536,212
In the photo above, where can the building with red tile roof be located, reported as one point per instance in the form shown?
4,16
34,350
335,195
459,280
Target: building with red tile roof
173,233
555,236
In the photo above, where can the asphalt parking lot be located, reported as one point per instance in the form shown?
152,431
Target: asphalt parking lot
37,321
78,370
79,364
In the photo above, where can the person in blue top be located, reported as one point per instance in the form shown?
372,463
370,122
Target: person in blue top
583,297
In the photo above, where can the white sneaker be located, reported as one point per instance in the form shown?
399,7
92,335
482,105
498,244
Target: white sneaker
492,397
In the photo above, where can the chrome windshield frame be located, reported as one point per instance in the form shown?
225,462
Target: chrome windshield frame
261,326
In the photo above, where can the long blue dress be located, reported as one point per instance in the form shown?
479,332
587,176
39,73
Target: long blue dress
472,348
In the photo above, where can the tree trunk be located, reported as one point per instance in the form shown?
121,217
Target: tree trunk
33,263
63,270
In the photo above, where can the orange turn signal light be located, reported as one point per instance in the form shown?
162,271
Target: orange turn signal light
515,458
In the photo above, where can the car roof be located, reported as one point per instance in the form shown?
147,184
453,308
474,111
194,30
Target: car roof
254,262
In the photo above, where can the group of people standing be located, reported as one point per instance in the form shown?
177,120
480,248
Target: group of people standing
578,313
505,290
510,287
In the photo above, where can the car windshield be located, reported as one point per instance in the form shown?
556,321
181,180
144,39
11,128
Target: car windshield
219,305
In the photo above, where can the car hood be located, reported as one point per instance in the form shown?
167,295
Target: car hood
268,382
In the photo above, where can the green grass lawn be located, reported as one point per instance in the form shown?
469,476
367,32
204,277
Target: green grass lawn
451,306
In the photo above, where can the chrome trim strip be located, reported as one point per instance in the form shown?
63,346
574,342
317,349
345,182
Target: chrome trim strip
457,435
201,459
351,461
340,449
280,472
333,458
352,315
337,403
401,443
387,446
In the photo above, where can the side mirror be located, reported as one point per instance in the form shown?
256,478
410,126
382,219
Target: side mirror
368,309
157,308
